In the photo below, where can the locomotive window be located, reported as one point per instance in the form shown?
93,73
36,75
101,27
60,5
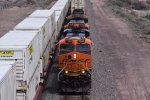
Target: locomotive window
65,48
83,48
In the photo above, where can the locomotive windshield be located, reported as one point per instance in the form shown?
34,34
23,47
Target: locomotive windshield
83,48
65,48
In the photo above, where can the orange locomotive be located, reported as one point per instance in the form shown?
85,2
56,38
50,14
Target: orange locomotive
75,62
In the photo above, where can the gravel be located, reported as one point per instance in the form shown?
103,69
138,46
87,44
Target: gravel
104,56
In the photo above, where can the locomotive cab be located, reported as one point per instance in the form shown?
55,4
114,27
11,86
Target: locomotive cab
75,61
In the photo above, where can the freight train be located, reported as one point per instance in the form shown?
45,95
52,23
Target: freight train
74,55
27,50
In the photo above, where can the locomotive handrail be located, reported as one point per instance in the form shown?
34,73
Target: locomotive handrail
87,68
62,70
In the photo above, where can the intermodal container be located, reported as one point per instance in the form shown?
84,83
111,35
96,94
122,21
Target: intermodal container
7,81
36,24
49,14
22,47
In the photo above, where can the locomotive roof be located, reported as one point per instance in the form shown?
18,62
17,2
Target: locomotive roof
75,40
76,35
76,21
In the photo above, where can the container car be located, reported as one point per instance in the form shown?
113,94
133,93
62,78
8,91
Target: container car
23,48
50,15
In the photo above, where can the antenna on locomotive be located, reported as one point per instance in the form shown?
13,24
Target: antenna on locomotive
68,40
81,40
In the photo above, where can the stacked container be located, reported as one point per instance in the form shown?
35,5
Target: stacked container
64,3
22,47
60,8
59,22
33,84
7,80
50,15
37,24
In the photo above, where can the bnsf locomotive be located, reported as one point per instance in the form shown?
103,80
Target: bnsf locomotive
74,57
75,62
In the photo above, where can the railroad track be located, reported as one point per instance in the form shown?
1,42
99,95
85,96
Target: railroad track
74,97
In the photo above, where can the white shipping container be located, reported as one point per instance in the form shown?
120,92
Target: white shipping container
36,24
32,86
7,81
45,59
46,14
52,42
22,47
60,8
58,21
51,16
63,3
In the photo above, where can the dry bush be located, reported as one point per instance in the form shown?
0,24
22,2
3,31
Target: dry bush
30,1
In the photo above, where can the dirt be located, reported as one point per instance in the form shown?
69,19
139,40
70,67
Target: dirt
138,18
120,61
12,16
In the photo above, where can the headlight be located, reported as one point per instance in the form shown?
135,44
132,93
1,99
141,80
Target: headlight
66,72
83,72
75,56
